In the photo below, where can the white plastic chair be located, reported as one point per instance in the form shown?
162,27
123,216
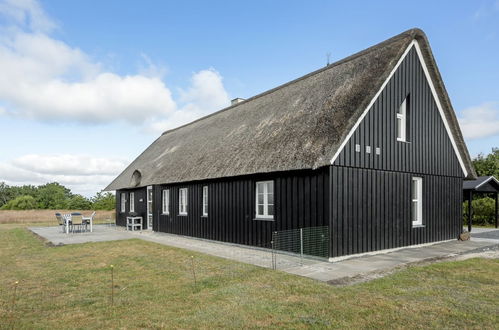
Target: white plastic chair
67,222
89,221
61,222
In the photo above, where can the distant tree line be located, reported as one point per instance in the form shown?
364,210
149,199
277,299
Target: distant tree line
484,206
51,196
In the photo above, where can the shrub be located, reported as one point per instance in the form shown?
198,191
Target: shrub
483,211
106,201
20,203
78,202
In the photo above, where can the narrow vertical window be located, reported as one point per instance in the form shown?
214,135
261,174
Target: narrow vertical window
132,202
417,201
166,201
402,120
123,202
205,201
265,200
182,201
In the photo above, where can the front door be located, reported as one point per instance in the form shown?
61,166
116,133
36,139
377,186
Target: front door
149,208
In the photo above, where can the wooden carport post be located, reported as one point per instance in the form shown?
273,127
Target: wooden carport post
470,209
497,209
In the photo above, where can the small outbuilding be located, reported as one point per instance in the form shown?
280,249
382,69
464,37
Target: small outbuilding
483,185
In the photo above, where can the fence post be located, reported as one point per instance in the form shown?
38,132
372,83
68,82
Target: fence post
301,246
273,261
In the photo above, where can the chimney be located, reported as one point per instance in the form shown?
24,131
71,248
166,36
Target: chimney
236,101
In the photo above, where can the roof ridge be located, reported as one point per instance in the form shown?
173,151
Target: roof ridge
411,32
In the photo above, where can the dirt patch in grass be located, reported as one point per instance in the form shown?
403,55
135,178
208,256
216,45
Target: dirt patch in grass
70,287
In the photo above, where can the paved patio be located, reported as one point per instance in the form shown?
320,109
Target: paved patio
333,272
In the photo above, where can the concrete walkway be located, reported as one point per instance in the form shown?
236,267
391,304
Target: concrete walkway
338,272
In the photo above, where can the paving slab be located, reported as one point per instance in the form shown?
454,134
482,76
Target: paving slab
101,233
308,267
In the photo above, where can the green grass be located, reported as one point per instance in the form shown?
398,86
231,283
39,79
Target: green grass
69,287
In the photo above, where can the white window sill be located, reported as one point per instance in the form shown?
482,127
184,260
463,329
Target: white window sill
165,213
204,216
183,214
418,226
263,219
403,141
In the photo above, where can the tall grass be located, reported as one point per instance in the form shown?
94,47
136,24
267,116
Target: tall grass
47,216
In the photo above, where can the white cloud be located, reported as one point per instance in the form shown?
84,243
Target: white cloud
65,164
26,13
46,79
205,95
480,121
83,174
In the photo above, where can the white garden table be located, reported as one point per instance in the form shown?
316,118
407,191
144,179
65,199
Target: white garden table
133,223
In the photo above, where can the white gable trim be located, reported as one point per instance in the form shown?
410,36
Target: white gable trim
440,109
435,96
484,182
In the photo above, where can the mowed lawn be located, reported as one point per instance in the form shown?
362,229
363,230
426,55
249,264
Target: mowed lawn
70,287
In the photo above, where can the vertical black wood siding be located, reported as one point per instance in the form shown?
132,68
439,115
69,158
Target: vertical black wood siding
140,207
428,150
372,210
371,194
300,199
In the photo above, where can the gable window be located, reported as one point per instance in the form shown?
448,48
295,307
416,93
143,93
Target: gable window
417,201
132,202
182,201
123,202
265,200
166,201
205,201
402,120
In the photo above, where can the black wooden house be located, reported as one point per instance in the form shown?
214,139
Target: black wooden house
369,146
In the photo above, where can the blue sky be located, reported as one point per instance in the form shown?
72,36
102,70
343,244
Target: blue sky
87,85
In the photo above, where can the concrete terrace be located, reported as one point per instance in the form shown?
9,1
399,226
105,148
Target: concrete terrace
337,272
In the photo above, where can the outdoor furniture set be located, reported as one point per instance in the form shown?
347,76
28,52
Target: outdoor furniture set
75,222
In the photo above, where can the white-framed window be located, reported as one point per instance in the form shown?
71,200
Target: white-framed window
132,202
417,201
166,201
402,121
123,202
205,201
265,200
182,201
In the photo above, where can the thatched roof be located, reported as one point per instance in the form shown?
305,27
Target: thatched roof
299,125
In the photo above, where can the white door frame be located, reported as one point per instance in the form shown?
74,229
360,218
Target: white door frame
150,207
